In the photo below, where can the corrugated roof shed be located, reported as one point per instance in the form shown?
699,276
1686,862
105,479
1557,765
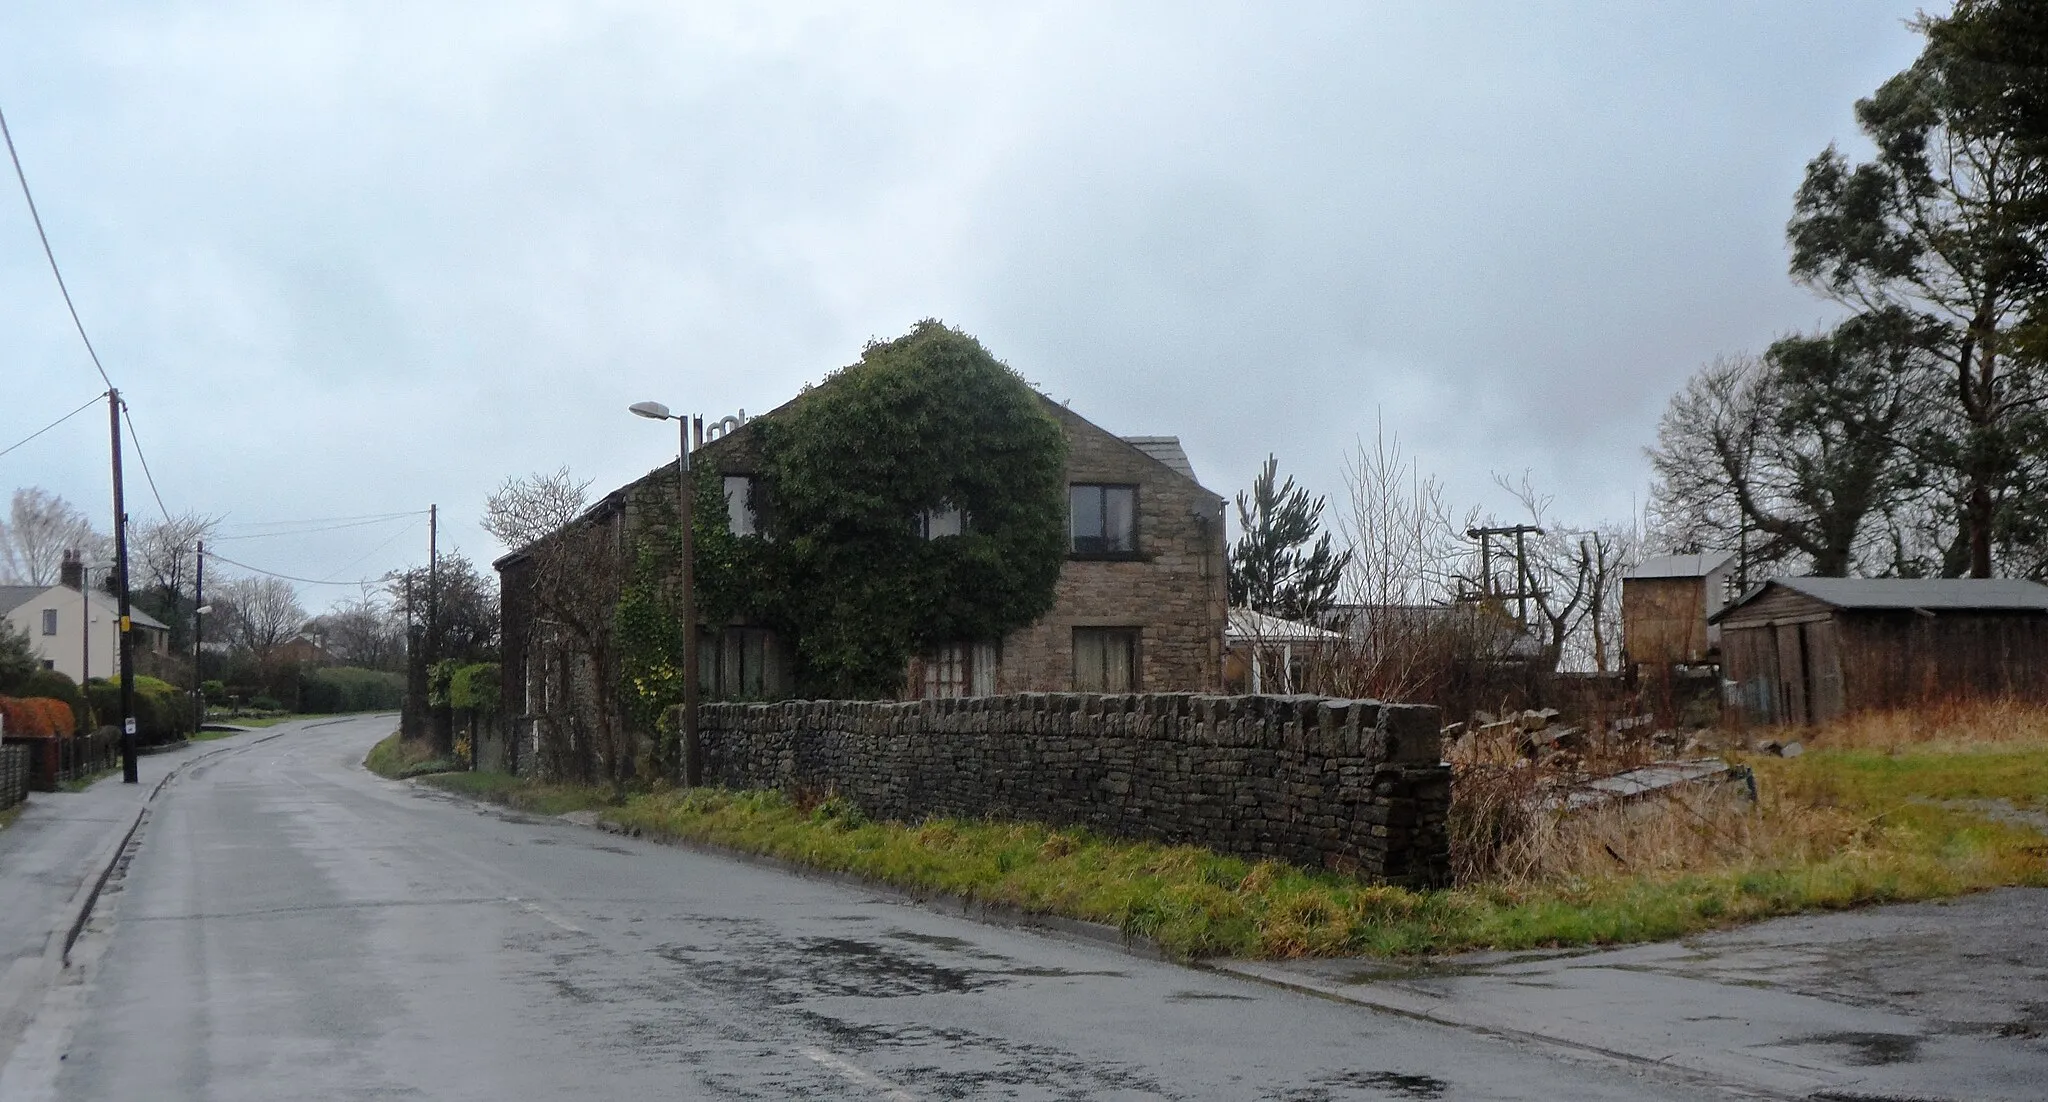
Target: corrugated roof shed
1678,566
1951,594
1167,450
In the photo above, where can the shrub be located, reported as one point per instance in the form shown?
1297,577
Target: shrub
163,712
351,689
37,715
58,686
474,688
266,704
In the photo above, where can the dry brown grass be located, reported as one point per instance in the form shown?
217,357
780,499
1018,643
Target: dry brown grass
1956,725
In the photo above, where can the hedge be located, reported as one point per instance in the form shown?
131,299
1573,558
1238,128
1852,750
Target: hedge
474,688
37,715
163,712
57,686
351,689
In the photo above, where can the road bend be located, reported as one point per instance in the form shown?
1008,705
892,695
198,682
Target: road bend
287,925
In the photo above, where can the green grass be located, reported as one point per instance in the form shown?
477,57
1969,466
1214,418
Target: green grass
258,721
1881,839
8,815
395,757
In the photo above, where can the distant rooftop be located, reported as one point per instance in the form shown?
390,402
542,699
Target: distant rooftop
1247,625
1167,450
1948,594
1678,566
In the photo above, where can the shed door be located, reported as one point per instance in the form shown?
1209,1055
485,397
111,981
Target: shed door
1792,695
1824,670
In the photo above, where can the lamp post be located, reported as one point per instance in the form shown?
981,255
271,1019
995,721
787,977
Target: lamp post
693,759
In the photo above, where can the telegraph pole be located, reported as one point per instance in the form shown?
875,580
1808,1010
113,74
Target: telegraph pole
693,752
198,630
128,774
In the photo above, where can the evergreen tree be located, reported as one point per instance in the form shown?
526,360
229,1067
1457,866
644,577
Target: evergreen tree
1283,563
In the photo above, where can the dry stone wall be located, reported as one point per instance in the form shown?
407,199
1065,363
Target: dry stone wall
1353,785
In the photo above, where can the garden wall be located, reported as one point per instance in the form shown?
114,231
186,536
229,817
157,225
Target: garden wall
13,775
1353,785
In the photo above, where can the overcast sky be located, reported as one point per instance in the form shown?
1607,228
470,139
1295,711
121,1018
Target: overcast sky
351,259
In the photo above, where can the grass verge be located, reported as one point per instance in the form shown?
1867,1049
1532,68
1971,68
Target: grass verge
1834,828
80,784
8,815
397,758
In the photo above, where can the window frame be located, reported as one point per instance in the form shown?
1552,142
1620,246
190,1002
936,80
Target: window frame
1133,646
1075,551
49,621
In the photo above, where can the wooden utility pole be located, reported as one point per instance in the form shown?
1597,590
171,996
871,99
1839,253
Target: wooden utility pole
1524,587
693,753
198,632
128,769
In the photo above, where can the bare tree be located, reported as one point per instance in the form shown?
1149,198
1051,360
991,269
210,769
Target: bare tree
40,527
1574,575
362,631
566,576
259,613
163,562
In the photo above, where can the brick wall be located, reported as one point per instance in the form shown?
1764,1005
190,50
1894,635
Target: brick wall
1350,785
1173,591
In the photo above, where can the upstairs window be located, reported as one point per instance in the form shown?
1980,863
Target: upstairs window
49,621
1103,519
946,520
741,517
1105,660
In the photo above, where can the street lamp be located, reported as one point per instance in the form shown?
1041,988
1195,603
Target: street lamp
693,758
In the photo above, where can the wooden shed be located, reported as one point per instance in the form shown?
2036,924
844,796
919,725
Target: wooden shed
1666,603
1805,650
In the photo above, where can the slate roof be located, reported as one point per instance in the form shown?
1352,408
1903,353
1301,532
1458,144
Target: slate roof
1933,594
15,596
1678,566
1167,450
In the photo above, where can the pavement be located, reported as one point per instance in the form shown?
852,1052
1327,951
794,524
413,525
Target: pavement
285,924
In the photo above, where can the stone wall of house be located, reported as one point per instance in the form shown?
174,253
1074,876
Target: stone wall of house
1172,591
1353,785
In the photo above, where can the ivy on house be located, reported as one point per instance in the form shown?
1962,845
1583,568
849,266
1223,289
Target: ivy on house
926,422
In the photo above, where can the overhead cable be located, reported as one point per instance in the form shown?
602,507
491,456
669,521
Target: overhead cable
135,438
37,217
89,403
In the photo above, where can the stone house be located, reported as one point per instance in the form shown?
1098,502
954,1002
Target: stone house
1139,604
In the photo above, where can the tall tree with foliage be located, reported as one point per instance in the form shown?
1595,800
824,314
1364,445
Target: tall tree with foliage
1283,563
928,421
1947,225
1798,455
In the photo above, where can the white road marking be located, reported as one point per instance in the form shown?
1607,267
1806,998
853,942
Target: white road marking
858,1074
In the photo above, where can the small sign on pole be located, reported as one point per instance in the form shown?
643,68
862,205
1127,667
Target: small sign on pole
128,727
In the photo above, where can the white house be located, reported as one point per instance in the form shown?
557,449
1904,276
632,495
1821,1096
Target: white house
74,630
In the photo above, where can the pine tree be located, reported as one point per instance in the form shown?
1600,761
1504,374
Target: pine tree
1283,564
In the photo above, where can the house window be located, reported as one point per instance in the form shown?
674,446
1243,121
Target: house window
741,518
1105,660
959,669
49,663
1104,519
49,621
946,520
747,665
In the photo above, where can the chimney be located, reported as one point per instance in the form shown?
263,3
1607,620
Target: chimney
72,571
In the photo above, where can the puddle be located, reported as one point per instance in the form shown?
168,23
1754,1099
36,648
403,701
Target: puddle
1379,1084
1207,996
1870,1049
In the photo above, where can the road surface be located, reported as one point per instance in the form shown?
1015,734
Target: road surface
289,926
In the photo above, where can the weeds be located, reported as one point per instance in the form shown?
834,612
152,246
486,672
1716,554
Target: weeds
1843,825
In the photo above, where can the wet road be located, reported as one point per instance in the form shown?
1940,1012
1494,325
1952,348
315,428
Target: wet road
290,926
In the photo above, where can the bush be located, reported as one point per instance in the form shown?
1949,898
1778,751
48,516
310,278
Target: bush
266,704
474,688
163,712
37,715
215,692
58,686
351,689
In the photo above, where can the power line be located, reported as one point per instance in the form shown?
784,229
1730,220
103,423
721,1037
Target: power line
326,528
135,438
366,518
89,403
37,217
217,557
387,542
